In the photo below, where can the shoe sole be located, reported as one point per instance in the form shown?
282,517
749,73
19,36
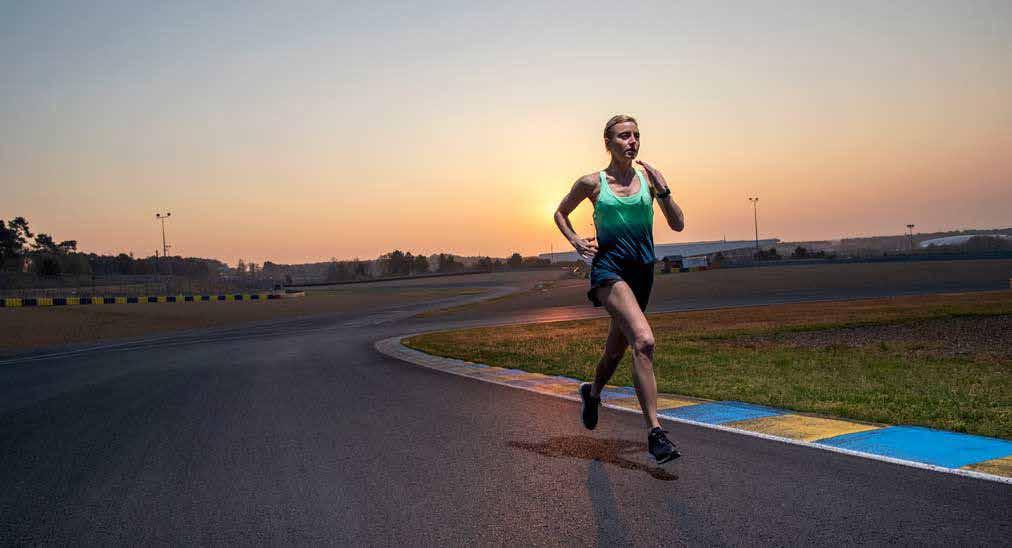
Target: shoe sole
668,458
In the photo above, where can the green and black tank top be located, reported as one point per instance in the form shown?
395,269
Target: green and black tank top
625,225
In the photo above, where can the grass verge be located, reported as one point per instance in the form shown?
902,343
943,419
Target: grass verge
860,368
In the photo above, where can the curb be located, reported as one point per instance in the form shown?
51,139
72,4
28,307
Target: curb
938,450
73,301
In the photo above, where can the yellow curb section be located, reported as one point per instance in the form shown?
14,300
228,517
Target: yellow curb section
523,377
801,427
663,402
120,300
559,389
997,467
73,300
44,301
486,374
462,369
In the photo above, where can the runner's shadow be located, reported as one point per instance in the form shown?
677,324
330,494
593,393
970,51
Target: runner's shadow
607,451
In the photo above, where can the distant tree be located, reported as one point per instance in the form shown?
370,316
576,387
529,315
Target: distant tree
288,279
395,263
241,268
44,243
47,265
447,263
124,263
515,260
13,237
67,246
333,271
76,263
421,265
799,253
359,269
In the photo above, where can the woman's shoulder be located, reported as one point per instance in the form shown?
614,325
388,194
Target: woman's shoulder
590,180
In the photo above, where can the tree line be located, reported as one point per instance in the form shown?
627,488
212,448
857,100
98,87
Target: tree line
40,254
401,263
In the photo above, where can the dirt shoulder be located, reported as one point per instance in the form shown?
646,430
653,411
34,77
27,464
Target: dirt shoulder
971,336
23,329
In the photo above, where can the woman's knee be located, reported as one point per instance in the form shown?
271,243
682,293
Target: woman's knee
643,343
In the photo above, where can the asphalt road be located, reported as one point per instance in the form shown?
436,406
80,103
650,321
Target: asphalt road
298,431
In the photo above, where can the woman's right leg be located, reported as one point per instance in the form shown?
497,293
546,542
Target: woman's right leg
625,311
614,349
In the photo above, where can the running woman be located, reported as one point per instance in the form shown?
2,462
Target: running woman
622,267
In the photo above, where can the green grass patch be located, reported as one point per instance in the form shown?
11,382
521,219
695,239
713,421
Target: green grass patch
738,354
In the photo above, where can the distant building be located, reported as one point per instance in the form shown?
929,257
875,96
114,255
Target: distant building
959,240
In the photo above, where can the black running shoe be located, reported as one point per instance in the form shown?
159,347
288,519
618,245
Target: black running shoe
590,405
661,447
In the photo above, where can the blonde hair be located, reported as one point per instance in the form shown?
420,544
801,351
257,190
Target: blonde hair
615,120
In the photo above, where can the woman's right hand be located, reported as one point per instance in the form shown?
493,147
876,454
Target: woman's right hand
586,247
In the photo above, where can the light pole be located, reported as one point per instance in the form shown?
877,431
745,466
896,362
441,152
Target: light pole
755,215
910,234
165,246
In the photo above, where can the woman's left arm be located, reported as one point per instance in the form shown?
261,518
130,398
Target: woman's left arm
673,213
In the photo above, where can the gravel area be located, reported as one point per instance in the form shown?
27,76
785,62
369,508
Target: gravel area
982,336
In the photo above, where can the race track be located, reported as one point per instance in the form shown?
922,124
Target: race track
298,431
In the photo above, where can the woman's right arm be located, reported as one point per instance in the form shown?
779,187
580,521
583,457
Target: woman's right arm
582,189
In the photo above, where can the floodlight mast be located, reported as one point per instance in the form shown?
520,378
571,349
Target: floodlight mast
755,215
162,218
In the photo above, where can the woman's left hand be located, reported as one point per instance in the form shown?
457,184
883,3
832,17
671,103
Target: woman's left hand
655,176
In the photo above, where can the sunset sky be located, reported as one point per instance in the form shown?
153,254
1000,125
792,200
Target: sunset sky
295,132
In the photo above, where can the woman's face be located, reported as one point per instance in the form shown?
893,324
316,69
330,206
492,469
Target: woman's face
625,141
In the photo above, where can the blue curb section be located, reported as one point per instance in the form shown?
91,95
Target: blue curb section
720,412
618,393
916,443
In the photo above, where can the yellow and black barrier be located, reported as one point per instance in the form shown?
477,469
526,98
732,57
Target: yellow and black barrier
69,301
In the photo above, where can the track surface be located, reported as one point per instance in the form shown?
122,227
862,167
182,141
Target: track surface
297,431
